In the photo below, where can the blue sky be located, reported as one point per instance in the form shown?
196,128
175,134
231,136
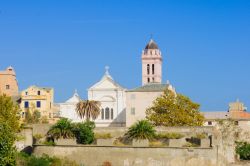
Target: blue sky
66,45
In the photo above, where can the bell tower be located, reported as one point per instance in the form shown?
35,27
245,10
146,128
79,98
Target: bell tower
151,64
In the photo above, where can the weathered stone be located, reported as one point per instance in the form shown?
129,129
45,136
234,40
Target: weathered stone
104,142
140,143
176,142
62,141
205,143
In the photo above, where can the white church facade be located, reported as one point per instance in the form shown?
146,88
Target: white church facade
119,106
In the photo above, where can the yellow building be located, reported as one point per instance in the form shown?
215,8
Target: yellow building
40,99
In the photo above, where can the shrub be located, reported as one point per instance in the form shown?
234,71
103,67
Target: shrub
141,130
103,136
62,129
243,150
84,132
201,135
26,160
49,143
106,163
169,136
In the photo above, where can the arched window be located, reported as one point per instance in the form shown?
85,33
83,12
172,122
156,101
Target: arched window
148,68
112,113
107,113
148,79
102,113
39,93
153,79
153,69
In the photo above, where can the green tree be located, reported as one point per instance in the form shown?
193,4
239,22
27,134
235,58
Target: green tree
62,129
9,125
7,150
88,109
172,109
84,132
9,113
141,130
32,115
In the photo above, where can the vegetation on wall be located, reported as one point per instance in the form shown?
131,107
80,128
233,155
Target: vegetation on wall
243,150
141,130
84,132
172,109
62,129
26,160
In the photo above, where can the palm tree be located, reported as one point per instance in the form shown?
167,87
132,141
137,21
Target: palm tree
141,130
62,129
88,109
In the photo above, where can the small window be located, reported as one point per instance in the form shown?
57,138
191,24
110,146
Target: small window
153,69
107,113
236,123
39,93
26,93
7,86
209,123
26,104
112,113
148,80
38,104
153,79
132,111
148,68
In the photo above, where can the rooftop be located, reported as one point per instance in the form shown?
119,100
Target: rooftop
150,87
151,45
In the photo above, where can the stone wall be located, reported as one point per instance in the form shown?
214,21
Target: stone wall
139,156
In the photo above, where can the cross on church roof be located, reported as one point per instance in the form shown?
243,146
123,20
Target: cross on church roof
106,70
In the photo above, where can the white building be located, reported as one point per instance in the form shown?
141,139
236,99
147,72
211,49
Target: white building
68,109
113,98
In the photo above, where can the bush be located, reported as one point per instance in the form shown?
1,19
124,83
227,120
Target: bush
84,132
103,136
243,150
26,160
62,129
141,130
49,143
169,136
7,150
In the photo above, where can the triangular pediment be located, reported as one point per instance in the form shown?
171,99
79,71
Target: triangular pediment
106,83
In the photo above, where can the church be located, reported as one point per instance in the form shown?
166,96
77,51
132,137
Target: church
121,107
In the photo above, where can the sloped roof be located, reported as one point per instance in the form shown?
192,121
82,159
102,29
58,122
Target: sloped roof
151,45
150,87
110,80
74,99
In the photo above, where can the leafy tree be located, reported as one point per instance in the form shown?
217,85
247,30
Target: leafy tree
84,132
9,125
9,113
32,115
172,109
88,109
141,130
7,139
62,129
